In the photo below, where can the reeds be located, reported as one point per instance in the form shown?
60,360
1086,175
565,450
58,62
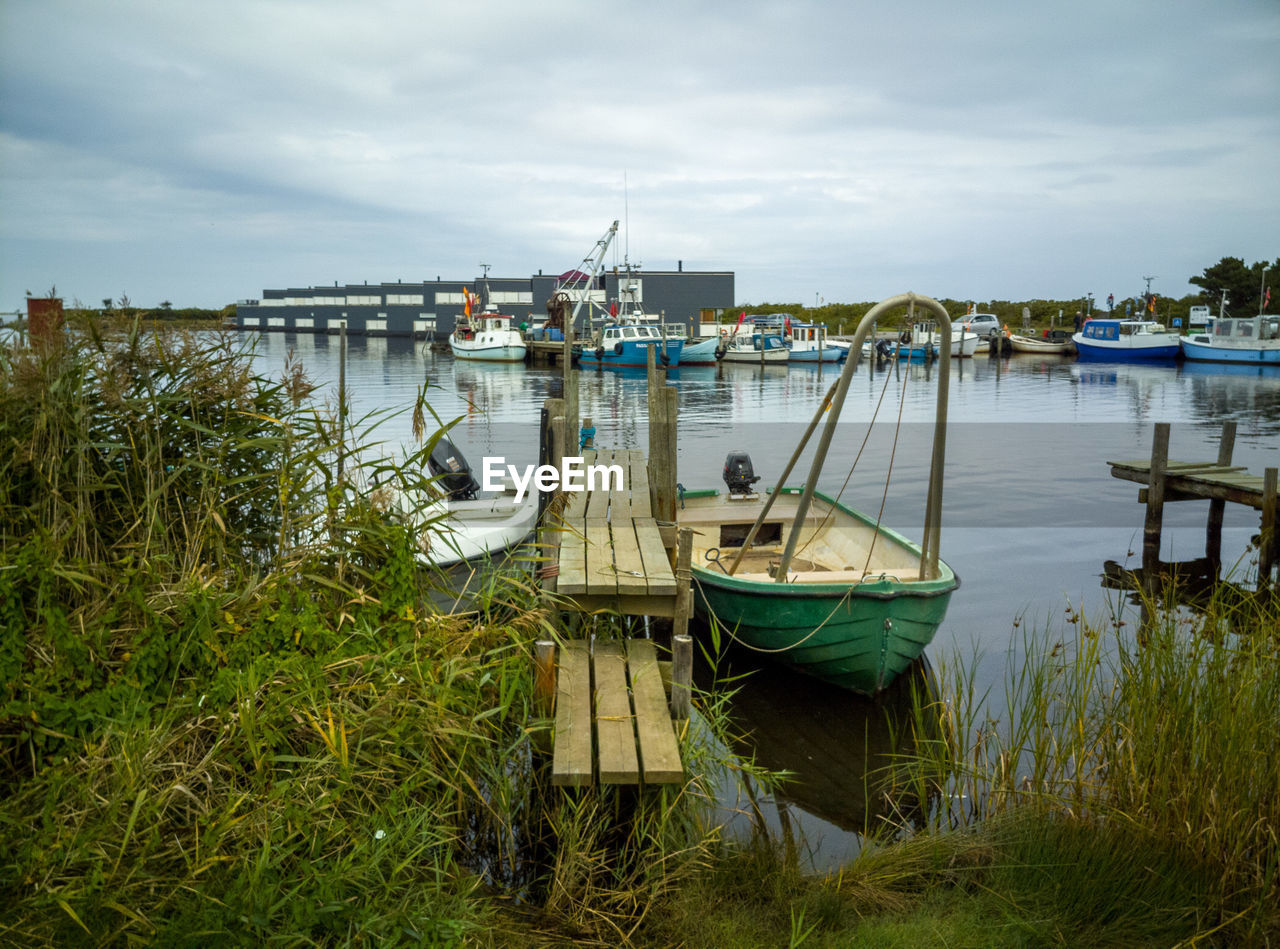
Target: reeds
228,709
1132,761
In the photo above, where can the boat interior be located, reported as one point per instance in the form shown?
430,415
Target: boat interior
833,547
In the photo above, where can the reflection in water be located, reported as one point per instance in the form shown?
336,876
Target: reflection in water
839,749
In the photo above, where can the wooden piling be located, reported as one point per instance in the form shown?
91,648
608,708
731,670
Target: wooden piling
1217,506
662,452
681,675
544,684
1269,540
570,389
1155,498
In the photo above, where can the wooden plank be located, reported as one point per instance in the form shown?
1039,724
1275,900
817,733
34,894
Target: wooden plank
627,561
657,566
599,499
601,576
573,559
620,501
659,753
571,757
615,724
641,500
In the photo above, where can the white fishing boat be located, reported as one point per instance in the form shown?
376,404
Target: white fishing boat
925,334
755,348
1253,339
489,337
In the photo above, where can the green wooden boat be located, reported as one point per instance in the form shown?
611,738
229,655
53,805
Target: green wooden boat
801,578
853,610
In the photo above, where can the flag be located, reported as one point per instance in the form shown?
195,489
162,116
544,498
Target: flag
1266,299
1111,301
466,301
613,308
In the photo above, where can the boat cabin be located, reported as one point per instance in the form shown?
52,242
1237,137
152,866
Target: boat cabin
640,335
808,333
1247,328
1116,329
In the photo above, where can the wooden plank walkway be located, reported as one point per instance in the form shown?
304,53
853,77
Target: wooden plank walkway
611,718
611,553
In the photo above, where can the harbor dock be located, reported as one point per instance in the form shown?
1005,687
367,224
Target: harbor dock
614,548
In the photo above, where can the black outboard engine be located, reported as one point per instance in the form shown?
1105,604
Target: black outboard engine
739,475
452,471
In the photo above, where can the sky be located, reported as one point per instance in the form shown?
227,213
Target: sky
198,153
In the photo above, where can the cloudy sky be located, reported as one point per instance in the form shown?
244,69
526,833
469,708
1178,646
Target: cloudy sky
835,151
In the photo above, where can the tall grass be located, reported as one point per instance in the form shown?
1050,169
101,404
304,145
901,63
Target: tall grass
1143,763
228,709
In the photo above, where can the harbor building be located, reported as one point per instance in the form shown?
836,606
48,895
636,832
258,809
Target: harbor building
431,309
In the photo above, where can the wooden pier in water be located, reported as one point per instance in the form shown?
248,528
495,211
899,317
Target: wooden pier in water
1218,481
615,548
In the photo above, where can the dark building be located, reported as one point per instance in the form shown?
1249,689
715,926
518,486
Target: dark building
431,309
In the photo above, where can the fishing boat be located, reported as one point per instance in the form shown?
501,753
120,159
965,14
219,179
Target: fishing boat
807,580
489,337
1254,340
1043,347
808,343
701,353
624,339
759,347
925,334
1125,341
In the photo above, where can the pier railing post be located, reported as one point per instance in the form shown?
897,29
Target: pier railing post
1268,539
662,452
1155,502
1217,506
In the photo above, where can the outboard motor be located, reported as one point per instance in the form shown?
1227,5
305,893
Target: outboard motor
452,471
739,475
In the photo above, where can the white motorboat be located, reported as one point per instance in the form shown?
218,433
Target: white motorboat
756,348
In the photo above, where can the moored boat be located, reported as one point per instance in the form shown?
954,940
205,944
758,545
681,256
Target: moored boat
1253,340
853,610
809,343
489,337
453,522
700,353
1045,347
798,576
1108,340
746,347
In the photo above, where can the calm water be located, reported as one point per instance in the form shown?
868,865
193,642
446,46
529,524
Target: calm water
1030,511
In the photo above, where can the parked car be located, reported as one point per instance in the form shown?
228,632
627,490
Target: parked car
986,325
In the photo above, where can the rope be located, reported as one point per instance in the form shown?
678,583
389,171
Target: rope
902,401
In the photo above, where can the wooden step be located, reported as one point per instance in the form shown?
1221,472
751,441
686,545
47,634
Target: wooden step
612,721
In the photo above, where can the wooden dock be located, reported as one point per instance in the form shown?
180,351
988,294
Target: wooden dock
614,548
1217,481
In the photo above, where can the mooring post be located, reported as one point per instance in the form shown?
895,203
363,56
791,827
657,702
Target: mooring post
681,675
1213,529
1267,546
1155,501
544,683
570,388
662,452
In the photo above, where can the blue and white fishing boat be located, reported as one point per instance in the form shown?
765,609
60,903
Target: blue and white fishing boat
1254,340
809,343
1125,341
624,339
